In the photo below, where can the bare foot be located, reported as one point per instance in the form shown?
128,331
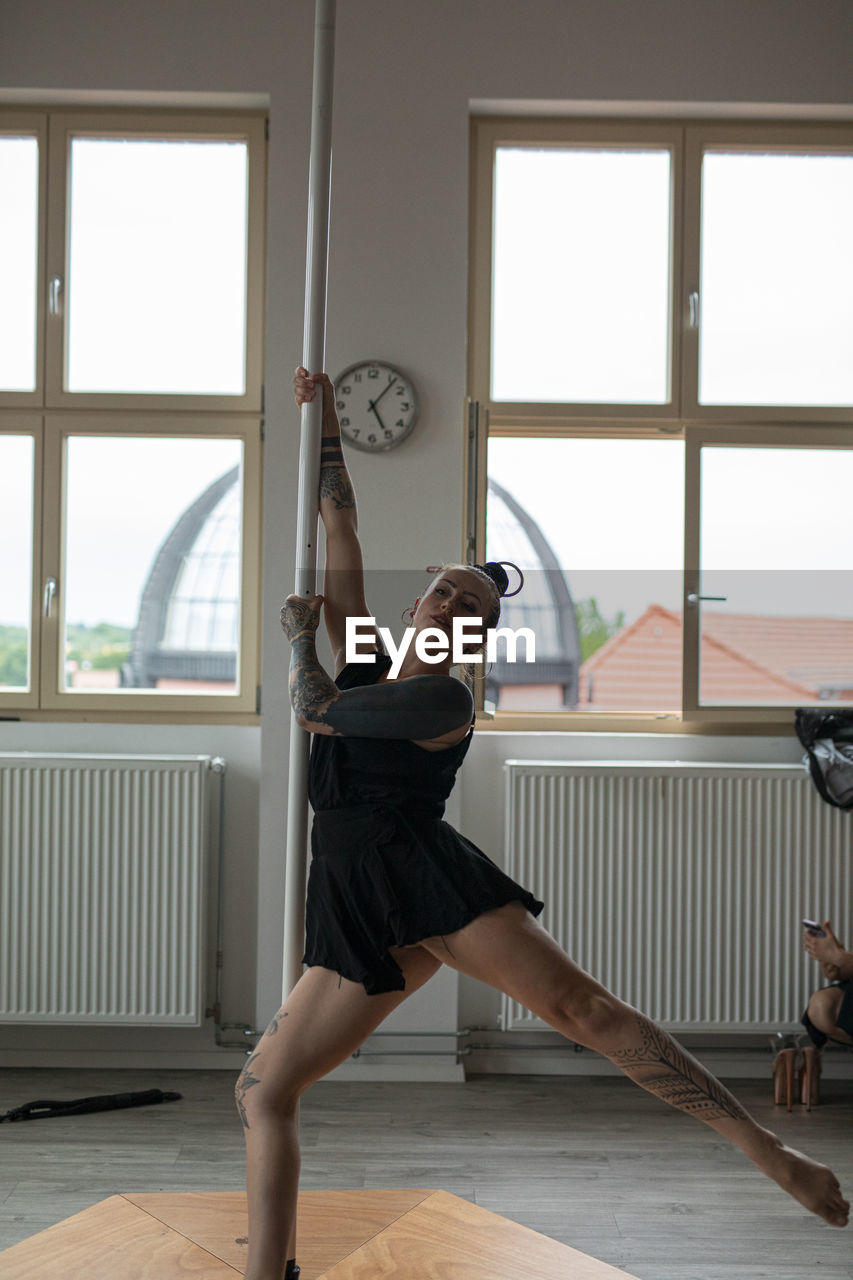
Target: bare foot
813,1184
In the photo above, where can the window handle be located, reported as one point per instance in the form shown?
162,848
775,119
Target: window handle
693,302
693,599
49,594
53,295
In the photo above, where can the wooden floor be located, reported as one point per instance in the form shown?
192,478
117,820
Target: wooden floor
591,1162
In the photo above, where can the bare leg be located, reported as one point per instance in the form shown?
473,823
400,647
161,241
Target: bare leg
824,1008
511,951
324,1020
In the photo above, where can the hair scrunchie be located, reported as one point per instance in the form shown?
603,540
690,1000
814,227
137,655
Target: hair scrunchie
495,570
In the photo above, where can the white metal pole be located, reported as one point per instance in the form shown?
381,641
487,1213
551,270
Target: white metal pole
314,359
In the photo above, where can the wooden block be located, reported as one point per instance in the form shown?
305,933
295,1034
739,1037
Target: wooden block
445,1238
330,1225
342,1235
114,1240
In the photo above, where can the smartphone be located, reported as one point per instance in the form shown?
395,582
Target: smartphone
814,927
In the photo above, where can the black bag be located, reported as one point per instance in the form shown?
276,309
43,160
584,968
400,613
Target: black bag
828,739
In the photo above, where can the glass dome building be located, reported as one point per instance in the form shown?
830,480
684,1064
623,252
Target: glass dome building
545,606
188,628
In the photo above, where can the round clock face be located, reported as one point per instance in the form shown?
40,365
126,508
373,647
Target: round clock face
376,404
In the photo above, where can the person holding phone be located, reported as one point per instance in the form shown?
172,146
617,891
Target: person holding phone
829,1015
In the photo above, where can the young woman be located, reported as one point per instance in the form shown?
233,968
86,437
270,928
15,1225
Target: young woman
829,1015
394,892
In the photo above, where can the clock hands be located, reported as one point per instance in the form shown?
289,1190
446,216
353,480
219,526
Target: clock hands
372,409
373,403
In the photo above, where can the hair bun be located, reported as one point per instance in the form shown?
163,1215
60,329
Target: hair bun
495,570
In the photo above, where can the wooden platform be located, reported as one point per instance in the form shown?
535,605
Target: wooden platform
343,1235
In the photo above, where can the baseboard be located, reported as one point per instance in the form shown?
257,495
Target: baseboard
376,1068
729,1064
412,1070
122,1060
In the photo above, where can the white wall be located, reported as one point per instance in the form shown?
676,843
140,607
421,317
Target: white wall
406,76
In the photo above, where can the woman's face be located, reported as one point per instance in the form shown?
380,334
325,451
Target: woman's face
455,593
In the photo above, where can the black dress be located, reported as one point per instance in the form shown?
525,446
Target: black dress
386,870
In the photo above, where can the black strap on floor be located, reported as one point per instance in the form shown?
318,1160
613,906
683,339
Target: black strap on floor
106,1102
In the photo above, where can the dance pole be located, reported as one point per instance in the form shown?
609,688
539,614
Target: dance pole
314,359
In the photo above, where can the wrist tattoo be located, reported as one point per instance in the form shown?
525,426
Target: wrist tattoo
299,618
331,450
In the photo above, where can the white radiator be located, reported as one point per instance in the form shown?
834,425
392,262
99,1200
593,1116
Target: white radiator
103,863
682,887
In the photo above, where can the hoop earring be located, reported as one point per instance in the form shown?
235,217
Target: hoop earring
407,613
482,675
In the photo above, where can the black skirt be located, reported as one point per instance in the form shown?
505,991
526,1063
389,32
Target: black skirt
384,876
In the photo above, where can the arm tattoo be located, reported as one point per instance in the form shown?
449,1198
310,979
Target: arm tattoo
662,1067
420,707
336,485
330,449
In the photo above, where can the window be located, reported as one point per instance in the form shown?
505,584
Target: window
659,360
130,412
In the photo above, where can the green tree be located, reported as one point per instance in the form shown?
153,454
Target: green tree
103,647
13,657
593,628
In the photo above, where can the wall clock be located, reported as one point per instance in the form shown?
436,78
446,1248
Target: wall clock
377,406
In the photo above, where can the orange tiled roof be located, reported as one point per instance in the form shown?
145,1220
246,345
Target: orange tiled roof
745,658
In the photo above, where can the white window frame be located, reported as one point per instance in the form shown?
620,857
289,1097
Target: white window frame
21,423
32,124
682,418
698,437
50,413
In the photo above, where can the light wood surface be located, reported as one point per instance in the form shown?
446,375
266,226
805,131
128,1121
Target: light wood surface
330,1225
445,1238
343,1235
114,1240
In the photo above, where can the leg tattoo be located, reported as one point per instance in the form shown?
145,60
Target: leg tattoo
244,1084
247,1078
662,1067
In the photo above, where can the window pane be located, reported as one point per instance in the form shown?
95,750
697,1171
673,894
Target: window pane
16,560
157,267
18,262
777,280
580,304
777,543
597,526
152,583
